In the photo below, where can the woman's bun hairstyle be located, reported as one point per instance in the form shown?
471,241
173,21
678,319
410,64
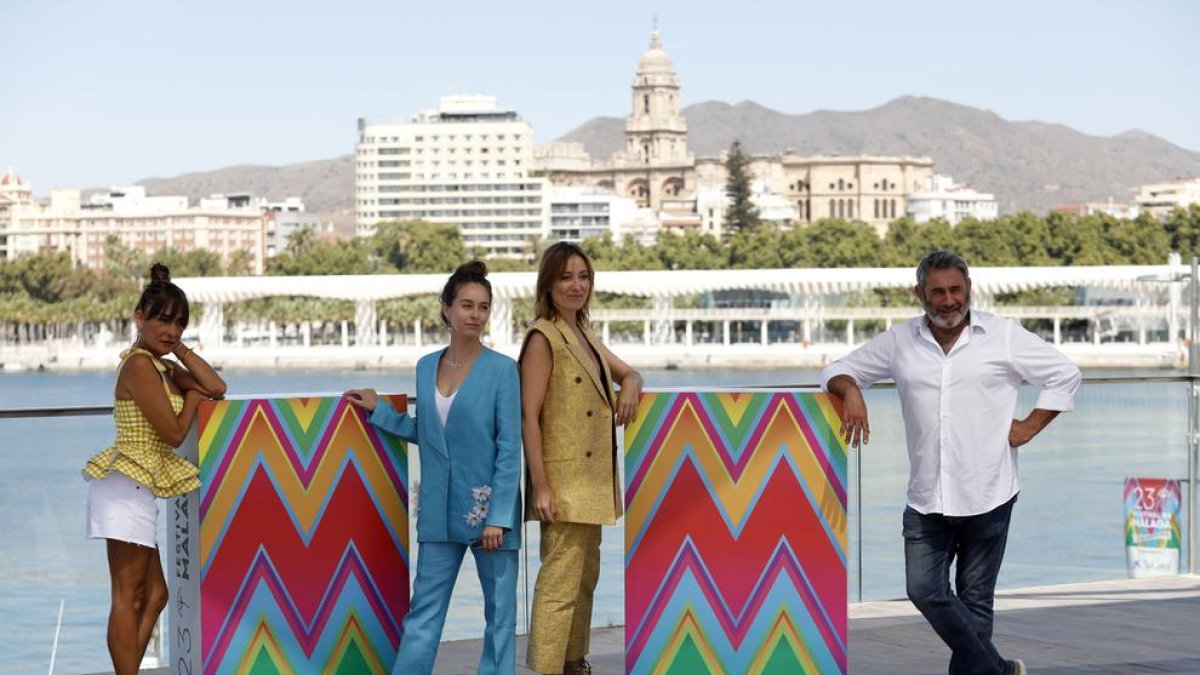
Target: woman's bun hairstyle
470,272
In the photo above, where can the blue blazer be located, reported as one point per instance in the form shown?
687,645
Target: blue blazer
471,469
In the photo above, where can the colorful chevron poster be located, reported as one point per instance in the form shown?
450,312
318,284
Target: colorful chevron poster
302,552
735,535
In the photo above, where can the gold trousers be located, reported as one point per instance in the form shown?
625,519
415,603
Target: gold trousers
562,598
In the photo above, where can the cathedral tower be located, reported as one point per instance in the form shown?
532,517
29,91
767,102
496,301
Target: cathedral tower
656,134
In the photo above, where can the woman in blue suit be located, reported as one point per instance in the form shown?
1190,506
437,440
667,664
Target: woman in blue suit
469,434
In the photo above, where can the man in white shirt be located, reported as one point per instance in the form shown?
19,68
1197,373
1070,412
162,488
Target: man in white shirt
958,372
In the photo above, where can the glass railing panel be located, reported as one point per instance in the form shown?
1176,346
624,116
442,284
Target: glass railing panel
45,557
1067,525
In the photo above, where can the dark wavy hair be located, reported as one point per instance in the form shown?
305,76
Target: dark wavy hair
162,299
554,262
473,272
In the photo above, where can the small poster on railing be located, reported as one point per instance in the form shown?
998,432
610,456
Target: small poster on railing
1152,527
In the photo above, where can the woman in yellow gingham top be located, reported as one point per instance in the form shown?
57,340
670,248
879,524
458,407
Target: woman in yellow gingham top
155,405
139,452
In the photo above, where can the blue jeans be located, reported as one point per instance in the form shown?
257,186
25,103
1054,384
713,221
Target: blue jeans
963,617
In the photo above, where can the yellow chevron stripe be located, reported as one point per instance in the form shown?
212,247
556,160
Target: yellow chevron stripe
264,640
305,410
736,497
304,502
782,629
351,634
688,628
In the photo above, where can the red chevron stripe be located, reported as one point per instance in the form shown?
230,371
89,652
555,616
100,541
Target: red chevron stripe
262,522
832,630
263,572
781,512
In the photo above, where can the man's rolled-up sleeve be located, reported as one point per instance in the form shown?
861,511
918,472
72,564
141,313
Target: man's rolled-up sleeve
1041,364
866,365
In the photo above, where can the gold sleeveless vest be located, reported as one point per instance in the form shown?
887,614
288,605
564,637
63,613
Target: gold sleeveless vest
579,449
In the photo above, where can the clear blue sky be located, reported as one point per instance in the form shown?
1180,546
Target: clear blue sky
100,93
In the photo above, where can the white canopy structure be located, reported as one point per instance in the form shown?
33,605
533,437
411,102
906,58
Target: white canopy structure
661,285
674,283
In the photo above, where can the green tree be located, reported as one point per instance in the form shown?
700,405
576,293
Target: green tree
691,251
422,247
1183,229
633,256
302,240
194,263
987,243
741,214
603,251
1075,240
240,264
124,261
840,243
1141,241
324,257
906,241
758,248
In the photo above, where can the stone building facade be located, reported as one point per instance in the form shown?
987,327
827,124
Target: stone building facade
658,171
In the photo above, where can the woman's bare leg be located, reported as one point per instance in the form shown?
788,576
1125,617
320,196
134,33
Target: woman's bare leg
154,600
128,565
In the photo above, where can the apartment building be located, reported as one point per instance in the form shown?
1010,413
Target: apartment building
468,162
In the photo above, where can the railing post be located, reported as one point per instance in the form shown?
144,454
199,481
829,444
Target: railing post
1193,413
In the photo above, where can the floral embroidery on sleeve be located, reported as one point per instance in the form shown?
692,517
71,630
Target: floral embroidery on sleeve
482,494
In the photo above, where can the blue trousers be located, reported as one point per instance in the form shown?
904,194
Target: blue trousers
962,618
437,570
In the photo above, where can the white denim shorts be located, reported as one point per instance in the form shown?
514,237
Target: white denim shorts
120,508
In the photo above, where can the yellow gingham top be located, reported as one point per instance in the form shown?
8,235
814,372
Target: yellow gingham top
138,451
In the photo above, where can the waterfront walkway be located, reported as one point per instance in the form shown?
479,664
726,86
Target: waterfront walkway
1109,627
1125,626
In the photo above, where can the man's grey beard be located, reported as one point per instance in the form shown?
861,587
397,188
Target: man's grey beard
947,324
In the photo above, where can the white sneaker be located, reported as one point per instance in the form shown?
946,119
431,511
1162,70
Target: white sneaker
1019,667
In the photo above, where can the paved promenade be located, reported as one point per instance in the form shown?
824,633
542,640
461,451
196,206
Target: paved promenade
1112,627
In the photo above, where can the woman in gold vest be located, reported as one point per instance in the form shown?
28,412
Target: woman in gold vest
569,412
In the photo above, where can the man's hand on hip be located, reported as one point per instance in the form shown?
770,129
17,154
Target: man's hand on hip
1023,431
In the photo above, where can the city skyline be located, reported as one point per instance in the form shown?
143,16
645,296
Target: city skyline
112,95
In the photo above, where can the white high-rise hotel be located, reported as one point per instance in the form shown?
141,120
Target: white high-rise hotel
468,162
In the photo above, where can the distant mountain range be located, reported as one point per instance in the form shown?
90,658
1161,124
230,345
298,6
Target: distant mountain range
1027,165
324,184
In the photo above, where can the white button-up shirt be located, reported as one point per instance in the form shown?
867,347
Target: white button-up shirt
958,407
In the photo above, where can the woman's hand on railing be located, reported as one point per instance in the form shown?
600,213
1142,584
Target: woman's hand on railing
366,399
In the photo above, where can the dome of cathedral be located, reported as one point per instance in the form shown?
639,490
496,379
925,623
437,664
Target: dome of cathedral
655,60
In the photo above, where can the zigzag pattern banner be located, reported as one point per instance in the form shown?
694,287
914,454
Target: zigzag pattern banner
735,535
303,549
